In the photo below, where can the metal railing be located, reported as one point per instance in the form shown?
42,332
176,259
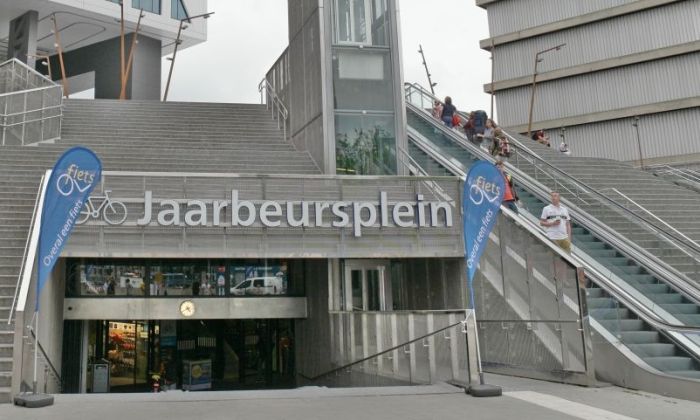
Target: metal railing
683,176
30,105
49,369
399,348
274,104
418,99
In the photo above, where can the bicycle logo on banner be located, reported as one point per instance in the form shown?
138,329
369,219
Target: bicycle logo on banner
477,193
113,212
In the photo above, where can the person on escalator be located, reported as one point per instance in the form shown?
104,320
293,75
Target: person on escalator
448,112
557,223
510,197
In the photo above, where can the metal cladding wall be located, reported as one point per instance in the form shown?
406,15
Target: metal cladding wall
622,87
621,59
602,40
508,16
663,134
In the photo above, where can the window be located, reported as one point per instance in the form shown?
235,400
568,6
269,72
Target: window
365,144
361,22
152,6
178,10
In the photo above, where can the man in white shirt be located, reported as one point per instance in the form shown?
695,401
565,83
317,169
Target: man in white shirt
557,223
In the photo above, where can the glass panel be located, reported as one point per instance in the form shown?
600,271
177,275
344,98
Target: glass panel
178,10
356,279
361,22
152,6
373,295
105,280
121,353
92,278
365,145
362,80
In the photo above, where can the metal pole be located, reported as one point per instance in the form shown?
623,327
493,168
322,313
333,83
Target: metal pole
172,62
493,71
635,124
125,79
425,64
534,84
121,43
59,50
532,97
36,349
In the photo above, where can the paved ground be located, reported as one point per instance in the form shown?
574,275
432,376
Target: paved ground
523,399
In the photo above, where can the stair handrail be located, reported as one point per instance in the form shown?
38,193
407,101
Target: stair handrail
648,314
650,213
519,146
685,174
30,247
678,280
274,102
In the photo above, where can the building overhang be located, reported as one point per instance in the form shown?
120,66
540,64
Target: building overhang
169,308
91,21
637,6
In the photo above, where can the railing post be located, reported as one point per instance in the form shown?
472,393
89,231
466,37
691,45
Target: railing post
41,120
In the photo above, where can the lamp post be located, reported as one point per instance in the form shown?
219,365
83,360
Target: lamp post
534,84
427,72
178,41
635,124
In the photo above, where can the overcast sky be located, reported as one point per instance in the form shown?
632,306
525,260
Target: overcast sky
246,37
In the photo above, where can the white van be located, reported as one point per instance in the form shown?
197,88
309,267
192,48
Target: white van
259,286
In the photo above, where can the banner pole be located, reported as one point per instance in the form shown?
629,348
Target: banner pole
36,349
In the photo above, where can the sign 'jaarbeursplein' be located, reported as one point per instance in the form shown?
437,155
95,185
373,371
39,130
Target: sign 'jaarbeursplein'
337,214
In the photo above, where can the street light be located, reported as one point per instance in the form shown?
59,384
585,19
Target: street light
534,84
178,41
635,124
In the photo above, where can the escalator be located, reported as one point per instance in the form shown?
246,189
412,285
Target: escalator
662,297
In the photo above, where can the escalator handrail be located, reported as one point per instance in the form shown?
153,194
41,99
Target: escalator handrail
647,314
583,186
675,278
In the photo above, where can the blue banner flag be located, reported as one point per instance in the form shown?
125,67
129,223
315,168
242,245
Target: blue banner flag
73,177
483,194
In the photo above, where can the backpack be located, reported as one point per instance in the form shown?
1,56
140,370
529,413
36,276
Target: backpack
480,118
505,149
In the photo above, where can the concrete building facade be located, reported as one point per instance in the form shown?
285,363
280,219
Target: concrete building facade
622,60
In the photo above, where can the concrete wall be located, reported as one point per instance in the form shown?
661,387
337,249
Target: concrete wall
103,58
306,91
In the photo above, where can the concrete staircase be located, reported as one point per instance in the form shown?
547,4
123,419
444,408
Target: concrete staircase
134,136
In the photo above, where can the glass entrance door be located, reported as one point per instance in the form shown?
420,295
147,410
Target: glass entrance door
366,285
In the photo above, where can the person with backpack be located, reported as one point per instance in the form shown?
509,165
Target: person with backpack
448,112
480,118
510,196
